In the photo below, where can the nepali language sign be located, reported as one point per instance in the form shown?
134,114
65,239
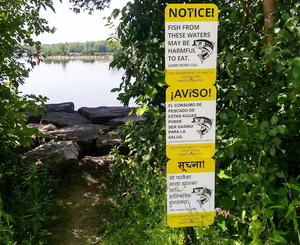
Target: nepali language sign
190,194
191,43
190,121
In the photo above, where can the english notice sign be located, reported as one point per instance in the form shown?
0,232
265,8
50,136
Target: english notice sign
191,43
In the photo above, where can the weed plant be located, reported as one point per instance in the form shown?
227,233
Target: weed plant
25,203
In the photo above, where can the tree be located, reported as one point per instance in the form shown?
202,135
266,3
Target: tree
21,213
19,20
258,108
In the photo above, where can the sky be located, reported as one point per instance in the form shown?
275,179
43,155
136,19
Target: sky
71,27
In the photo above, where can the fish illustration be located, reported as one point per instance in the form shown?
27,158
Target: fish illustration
205,48
204,123
203,193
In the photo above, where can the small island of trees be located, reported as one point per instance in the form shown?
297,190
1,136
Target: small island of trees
80,48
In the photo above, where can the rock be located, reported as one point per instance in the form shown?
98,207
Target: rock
103,114
120,121
84,136
94,166
105,142
63,119
59,155
43,128
32,118
60,107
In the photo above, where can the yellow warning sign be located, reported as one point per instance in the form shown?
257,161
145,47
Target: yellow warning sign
190,121
191,34
191,192
191,12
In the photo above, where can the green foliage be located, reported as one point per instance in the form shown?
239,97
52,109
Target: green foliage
139,178
89,5
258,126
257,184
27,208
87,48
18,21
24,202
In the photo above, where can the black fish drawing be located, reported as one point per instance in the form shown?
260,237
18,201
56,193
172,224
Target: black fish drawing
205,48
203,193
204,123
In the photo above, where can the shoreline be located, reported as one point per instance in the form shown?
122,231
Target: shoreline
80,57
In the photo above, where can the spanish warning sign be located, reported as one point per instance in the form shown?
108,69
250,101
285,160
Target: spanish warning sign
191,43
191,192
190,121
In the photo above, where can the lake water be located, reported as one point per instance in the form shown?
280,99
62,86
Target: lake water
85,83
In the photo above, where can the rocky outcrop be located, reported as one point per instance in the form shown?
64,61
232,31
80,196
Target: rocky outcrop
60,107
78,141
103,114
61,155
63,119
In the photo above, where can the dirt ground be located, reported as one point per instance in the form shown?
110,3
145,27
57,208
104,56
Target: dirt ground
78,217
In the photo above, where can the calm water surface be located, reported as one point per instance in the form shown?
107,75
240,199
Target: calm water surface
86,83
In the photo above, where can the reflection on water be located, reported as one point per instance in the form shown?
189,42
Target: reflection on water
56,61
86,83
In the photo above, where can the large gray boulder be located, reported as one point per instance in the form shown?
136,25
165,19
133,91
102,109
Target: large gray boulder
67,107
102,114
63,119
84,136
61,155
60,107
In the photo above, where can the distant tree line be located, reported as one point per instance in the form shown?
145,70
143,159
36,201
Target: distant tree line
77,48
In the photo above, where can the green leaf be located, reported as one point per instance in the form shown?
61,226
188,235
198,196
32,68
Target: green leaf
150,91
272,151
296,71
268,213
274,120
264,125
273,131
292,186
277,141
281,129
291,207
223,115
224,174
285,16
114,90
277,238
268,49
141,110
262,136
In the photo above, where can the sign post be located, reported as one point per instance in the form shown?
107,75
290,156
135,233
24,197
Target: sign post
191,32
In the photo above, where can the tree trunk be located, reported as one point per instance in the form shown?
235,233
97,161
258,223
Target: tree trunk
269,7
